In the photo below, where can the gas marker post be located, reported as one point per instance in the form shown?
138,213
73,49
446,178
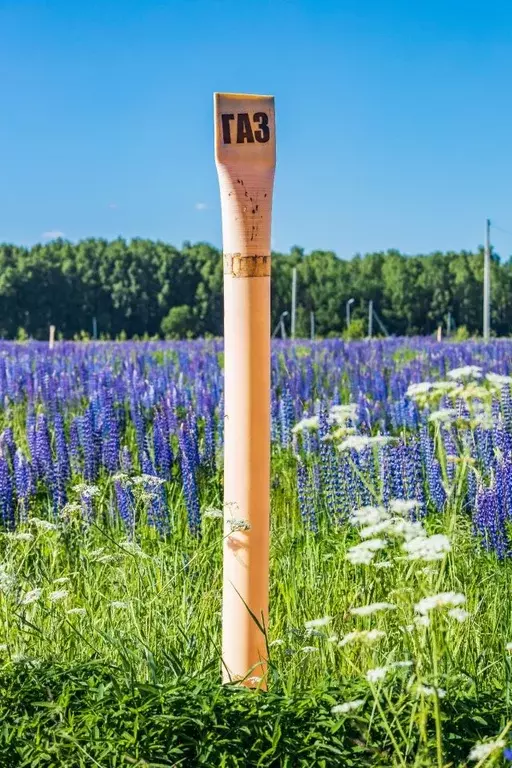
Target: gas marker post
245,155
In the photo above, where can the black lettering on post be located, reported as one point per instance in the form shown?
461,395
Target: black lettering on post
226,128
243,129
263,134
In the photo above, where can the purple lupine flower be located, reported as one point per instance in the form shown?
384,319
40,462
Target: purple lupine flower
6,500
23,483
88,444
62,470
110,443
506,407
74,445
306,505
189,481
7,444
126,460
125,506
450,451
155,491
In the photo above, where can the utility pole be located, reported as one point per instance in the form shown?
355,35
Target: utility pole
487,281
294,301
370,318
312,322
347,311
94,329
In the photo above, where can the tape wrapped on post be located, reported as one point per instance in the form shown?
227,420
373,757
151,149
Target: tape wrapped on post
247,266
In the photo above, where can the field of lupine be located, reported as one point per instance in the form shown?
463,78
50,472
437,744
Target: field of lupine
390,635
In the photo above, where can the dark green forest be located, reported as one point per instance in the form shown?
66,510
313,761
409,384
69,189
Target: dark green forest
144,288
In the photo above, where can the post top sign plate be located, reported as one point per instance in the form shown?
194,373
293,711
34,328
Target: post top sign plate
244,130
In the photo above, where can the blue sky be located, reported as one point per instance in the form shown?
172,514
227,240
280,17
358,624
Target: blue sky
394,119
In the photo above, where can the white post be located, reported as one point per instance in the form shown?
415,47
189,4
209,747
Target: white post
370,319
245,154
312,324
487,282
52,337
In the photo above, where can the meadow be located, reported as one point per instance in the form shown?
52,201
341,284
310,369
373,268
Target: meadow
390,632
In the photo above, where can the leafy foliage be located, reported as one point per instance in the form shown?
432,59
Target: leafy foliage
141,287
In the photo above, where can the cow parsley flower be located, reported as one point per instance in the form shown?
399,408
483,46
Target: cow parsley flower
31,597
76,612
59,594
426,690
376,674
347,706
459,614
465,372
369,516
481,751
238,525
212,513
428,548
119,604
314,623
7,580
306,423
441,600
367,610
362,442
403,506
363,554
415,390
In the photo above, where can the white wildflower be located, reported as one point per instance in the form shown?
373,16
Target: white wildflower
309,649
132,548
306,423
428,548
277,641
43,525
498,380
369,516
363,554
403,506
443,386
119,604
314,623
59,594
87,491
408,530
213,513
347,706
383,564
340,414
238,525
3,647
413,390
61,580
7,580
76,612
121,477
147,480
365,636
441,600
333,638
444,416
508,647
22,536
459,614
426,690
481,751
255,679
466,372
422,621
362,442
31,597
401,664
376,674
374,530
367,610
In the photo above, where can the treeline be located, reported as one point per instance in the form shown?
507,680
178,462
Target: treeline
142,287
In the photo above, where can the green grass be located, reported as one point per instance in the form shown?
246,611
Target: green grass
133,674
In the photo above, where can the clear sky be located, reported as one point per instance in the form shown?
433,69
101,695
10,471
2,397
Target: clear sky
394,119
